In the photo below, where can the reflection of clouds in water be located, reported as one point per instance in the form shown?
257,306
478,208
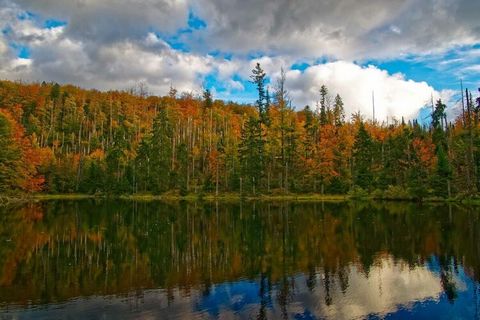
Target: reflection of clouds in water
388,286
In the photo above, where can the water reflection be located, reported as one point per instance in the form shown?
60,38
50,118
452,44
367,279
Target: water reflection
90,259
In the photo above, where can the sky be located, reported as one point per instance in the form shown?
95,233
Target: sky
405,51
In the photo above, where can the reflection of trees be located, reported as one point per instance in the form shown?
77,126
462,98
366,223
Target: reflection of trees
56,250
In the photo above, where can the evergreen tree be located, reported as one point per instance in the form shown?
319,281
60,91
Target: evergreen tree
181,175
160,157
323,105
251,153
441,181
142,163
362,158
117,161
258,78
207,99
338,111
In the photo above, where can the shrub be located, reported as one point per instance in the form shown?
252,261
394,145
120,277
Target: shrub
377,194
358,193
396,193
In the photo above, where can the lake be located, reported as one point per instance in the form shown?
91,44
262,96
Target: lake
152,260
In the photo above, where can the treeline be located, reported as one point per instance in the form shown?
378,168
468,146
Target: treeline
63,139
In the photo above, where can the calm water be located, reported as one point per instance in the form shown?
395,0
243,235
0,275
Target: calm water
110,260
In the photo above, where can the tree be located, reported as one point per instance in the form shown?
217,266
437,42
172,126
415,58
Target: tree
441,180
362,158
251,153
282,100
160,157
258,78
207,99
10,156
117,162
338,112
19,159
142,163
323,105
181,170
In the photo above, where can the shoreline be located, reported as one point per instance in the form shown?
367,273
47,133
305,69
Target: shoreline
223,197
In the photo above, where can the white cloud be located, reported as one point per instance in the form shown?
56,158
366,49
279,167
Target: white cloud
58,56
395,96
474,68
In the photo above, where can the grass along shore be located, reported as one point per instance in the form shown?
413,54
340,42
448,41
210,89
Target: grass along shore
15,199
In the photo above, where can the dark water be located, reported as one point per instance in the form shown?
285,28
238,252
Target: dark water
111,260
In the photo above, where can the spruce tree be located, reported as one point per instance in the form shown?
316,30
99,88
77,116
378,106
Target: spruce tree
323,105
182,169
441,180
251,153
161,153
258,78
338,111
362,158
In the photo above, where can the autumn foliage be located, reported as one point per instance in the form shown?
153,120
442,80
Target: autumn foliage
65,139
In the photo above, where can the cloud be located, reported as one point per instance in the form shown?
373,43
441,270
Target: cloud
109,21
343,29
58,56
115,44
395,96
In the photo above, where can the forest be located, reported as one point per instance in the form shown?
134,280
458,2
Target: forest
58,139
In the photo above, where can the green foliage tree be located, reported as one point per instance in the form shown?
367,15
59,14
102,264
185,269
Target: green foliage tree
441,181
258,78
323,105
161,153
362,158
338,111
251,153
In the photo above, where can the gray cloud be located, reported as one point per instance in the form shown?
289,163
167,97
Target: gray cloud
109,20
344,29
341,29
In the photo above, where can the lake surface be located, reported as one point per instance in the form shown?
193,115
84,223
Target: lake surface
139,260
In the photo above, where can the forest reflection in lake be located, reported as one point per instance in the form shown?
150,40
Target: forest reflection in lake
125,259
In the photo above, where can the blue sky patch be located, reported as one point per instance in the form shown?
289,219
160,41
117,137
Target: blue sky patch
195,22
300,66
21,51
53,23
